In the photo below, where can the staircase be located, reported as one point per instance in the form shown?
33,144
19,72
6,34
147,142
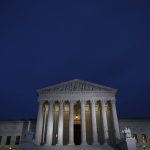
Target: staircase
79,147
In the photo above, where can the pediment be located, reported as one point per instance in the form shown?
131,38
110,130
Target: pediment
76,85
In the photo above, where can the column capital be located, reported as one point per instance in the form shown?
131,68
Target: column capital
41,102
93,101
45,108
103,102
113,102
72,102
82,101
51,102
61,101
104,105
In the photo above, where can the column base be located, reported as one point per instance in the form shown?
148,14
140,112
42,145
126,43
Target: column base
36,143
47,144
71,144
59,144
95,143
84,143
105,143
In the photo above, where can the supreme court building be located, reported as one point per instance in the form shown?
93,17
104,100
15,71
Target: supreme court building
76,115
77,112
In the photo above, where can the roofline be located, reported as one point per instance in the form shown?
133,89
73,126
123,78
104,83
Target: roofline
88,82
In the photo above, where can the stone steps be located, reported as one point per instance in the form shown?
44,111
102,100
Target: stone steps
89,147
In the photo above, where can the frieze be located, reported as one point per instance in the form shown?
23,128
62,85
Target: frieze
75,97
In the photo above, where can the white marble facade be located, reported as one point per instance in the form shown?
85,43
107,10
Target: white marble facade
75,111
12,129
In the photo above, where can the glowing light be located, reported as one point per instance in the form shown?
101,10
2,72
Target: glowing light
76,117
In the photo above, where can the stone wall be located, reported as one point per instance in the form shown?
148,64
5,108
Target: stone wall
10,128
138,127
13,129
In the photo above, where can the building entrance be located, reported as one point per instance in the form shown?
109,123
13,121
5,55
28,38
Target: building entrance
77,134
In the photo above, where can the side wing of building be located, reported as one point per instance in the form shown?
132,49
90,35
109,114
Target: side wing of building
12,131
140,130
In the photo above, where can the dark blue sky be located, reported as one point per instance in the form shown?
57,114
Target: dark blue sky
46,42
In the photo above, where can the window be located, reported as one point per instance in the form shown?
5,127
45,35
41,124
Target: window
144,139
135,137
0,140
17,140
8,140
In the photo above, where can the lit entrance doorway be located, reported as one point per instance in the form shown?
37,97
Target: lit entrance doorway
77,134
77,124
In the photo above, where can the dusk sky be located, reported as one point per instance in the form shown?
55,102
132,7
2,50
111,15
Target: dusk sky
44,42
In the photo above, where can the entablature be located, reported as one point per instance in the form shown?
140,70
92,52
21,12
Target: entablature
74,96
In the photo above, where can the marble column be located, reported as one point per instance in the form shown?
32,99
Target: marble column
39,124
105,124
49,135
29,125
71,123
94,123
115,120
45,112
60,123
83,124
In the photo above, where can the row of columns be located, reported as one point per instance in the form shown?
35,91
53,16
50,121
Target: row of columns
49,131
